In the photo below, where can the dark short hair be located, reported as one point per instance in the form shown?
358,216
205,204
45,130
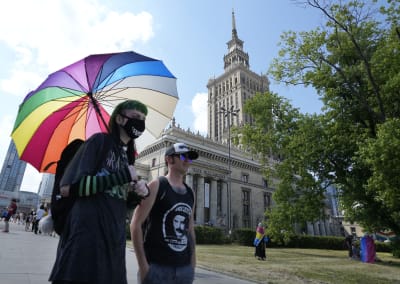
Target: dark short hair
128,104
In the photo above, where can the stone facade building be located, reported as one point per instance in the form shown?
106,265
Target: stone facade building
209,176
230,189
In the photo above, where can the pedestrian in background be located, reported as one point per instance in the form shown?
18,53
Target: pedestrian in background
39,215
349,245
28,221
11,210
260,241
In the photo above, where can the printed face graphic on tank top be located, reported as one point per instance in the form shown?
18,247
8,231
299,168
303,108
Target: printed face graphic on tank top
175,226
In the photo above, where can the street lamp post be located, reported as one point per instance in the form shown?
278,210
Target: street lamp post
229,113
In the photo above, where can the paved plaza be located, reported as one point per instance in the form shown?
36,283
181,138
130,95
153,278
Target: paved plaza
26,258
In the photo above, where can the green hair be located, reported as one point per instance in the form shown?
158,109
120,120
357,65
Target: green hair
128,104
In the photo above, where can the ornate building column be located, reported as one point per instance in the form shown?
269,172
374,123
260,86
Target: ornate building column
213,201
310,229
189,180
224,203
200,201
323,228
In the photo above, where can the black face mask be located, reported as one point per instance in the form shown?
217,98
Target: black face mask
134,127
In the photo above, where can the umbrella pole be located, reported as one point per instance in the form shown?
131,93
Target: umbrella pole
97,109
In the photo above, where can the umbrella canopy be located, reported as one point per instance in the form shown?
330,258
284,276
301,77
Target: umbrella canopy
76,102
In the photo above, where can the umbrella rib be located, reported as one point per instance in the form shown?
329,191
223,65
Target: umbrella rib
78,108
68,90
116,98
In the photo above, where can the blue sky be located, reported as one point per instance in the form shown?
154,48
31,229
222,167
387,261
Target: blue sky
189,36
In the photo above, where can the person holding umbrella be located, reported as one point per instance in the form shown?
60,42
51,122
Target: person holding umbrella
102,177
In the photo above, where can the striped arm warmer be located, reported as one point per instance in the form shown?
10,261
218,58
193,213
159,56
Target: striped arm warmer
90,185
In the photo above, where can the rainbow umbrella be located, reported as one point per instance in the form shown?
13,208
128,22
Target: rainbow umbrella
76,101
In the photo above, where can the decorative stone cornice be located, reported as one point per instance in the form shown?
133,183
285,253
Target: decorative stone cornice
207,148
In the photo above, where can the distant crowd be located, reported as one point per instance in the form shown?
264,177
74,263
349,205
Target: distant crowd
29,220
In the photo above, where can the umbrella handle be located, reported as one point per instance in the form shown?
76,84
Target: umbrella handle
97,109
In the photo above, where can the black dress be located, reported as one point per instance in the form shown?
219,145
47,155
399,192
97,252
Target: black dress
92,245
260,250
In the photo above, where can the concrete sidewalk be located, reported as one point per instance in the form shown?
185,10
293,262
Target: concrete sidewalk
26,258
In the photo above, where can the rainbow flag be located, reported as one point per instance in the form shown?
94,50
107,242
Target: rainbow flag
259,237
385,235
367,247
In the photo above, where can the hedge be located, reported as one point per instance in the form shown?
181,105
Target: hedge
210,235
245,237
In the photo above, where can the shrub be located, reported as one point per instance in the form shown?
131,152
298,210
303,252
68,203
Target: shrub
209,235
383,247
395,247
244,237
317,242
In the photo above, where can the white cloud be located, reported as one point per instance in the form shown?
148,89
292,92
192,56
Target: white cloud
47,35
199,109
19,82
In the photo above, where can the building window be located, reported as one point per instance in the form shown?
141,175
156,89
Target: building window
245,178
267,200
219,197
353,231
246,208
265,183
153,162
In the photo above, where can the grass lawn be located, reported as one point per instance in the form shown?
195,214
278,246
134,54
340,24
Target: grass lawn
297,265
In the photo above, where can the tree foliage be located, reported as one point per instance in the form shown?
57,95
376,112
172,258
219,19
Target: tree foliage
353,63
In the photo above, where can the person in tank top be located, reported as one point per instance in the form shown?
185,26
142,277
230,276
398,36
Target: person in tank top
162,226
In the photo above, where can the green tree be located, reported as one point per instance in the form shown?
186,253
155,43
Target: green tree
384,183
281,137
353,63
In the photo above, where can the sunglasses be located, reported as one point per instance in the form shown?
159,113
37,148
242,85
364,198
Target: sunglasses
184,157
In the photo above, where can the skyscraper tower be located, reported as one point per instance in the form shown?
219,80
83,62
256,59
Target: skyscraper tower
13,170
230,90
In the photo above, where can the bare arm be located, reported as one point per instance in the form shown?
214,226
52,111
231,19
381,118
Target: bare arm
139,216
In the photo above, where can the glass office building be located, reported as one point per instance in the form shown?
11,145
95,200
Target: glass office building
12,171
